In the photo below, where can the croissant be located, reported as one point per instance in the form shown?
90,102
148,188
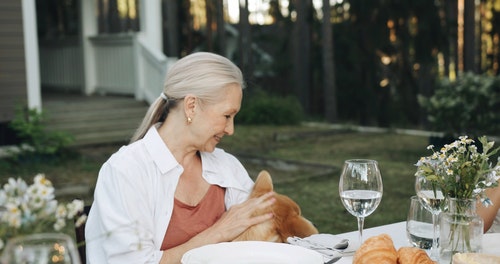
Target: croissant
377,249
413,255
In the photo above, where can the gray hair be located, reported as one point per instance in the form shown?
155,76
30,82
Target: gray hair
202,74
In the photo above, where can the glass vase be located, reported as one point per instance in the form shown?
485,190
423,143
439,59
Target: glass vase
41,248
461,229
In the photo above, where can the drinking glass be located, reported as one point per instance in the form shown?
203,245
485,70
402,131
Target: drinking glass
419,225
360,189
43,248
431,197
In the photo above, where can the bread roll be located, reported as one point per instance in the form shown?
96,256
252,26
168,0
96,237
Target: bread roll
413,255
377,249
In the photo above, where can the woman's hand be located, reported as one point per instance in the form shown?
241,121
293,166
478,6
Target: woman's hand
232,223
241,216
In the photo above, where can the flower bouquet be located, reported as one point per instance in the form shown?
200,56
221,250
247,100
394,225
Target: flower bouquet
460,170
463,174
33,209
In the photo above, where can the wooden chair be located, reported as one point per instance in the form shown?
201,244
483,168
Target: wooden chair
80,236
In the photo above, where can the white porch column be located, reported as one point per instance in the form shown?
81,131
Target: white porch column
150,35
150,23
31,54
89,29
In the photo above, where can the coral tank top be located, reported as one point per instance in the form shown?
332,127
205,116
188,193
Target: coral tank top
187,220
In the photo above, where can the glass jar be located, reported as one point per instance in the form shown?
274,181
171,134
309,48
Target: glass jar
461,229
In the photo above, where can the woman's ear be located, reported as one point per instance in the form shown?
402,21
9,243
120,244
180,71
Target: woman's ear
189,105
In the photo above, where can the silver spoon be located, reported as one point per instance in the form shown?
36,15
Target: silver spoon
343,244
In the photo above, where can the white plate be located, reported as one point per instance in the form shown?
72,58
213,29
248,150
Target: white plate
251,252
490,243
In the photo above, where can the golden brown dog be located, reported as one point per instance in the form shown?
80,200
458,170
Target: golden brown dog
287,220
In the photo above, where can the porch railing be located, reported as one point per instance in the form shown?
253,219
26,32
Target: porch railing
153,65
61,64
115,64
124,64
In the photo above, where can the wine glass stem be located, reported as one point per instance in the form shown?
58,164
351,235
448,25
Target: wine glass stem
361,221
434,249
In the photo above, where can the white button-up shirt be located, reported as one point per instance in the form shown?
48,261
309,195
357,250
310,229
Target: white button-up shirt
134,196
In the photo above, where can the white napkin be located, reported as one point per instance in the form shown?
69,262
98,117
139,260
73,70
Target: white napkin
323,244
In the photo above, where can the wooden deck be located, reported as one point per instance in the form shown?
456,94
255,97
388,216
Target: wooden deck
94,120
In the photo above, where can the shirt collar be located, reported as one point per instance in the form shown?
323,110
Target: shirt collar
215,165
218,168
159,151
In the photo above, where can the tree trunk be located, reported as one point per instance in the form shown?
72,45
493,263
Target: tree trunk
447,29
329,87
245,41
170,28
453,19
301,54
187,34
209,12
221,28
469,51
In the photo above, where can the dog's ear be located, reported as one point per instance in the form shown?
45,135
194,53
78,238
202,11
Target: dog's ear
296,226
264,183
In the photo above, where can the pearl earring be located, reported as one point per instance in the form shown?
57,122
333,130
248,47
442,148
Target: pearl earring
190,120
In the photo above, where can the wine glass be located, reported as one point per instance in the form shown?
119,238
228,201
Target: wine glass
42,248
360,189
419,225
432,198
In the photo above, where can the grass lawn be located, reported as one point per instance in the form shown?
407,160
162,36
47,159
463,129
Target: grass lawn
318,196
318,148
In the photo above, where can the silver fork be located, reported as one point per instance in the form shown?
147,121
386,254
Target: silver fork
340,246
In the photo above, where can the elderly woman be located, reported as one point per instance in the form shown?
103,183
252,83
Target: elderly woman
491,214
171,189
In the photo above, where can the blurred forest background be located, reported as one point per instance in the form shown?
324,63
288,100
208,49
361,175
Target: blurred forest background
372,63
416,64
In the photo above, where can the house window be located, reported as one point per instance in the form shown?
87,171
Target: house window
118,16
57,19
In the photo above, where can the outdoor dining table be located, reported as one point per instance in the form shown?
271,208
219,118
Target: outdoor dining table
397,231
308,252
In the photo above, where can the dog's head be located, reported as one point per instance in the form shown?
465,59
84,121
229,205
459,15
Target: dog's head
287,220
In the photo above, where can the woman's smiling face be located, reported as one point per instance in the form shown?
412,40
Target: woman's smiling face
217,120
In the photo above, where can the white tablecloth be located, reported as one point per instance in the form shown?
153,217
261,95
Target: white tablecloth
397,231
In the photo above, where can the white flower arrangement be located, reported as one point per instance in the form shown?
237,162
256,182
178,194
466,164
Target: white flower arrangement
33,209
460,170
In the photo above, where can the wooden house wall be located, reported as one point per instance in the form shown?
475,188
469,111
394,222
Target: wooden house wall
13,89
